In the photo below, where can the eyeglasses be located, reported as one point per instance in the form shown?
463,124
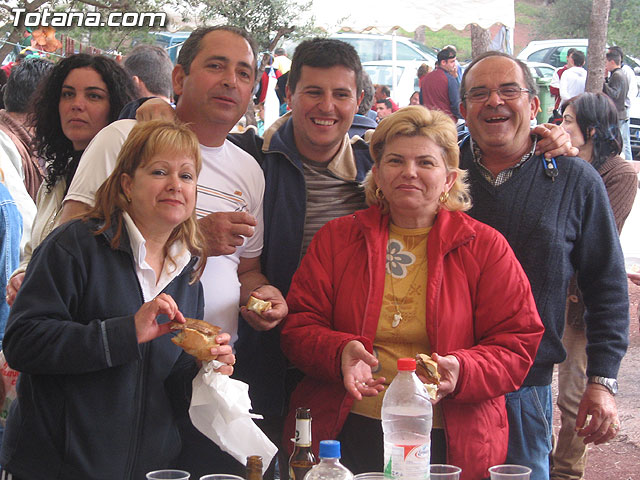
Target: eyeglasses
479,95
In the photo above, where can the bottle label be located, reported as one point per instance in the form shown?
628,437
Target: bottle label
407,462
303,432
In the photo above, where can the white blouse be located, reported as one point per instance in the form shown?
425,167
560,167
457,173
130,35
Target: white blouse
178,257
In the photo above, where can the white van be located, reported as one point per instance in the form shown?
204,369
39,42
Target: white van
371,47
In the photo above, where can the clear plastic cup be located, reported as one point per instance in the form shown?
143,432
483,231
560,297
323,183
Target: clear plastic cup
369,476
445,472
221,476
168,475
510,472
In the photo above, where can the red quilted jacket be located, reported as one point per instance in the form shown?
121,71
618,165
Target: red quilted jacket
479,308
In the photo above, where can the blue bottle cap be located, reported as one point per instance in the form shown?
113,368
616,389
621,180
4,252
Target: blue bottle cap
329,449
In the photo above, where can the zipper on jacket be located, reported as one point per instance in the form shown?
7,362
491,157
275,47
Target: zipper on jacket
139,396
140,388
366,309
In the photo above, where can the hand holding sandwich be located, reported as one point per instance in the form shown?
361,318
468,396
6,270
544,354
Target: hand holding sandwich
449,370
146,318
148,328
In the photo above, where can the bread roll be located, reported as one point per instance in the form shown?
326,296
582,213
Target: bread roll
196,337
258,306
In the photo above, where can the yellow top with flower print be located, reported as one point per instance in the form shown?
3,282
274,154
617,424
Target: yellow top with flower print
405,292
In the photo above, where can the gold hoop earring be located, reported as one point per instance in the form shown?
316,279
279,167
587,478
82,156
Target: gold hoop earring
444,196
379,194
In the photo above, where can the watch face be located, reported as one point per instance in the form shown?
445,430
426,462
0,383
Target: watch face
614,387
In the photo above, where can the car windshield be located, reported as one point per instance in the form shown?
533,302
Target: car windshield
423,48
382,74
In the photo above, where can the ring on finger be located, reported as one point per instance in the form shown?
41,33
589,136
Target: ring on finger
615,426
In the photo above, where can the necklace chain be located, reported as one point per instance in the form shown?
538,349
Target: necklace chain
397,317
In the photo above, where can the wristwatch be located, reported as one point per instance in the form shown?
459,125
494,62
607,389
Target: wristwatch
610,384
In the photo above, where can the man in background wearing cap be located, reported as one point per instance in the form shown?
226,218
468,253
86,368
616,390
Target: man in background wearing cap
440,87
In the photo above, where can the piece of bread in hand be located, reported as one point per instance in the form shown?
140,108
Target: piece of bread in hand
428,368
258,306
196,337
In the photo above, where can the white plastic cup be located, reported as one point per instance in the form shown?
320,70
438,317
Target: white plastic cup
369,476
445,472
221,476
510,472
168,475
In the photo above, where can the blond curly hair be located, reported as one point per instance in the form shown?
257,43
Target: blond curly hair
414,121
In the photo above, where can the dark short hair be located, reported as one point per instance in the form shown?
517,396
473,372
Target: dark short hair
570,51
280,51
597,118
152,65
324,53
528,78
446,54
385,90
387,102
23,83
368,96
578,58
51,143
191,47
618,49
615,56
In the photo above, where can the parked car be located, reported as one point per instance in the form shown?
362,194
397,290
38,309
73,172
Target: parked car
634,126
381,72
371,47
541,70
554,52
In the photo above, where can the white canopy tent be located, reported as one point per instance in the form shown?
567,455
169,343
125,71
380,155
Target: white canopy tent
385,15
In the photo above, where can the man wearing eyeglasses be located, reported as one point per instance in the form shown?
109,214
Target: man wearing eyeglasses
555,214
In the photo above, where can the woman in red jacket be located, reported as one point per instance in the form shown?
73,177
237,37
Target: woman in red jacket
411,274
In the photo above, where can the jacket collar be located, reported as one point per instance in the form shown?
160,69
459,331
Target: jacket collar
125,243
450,230
279,138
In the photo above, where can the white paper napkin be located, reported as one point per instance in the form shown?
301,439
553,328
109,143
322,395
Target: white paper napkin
220,410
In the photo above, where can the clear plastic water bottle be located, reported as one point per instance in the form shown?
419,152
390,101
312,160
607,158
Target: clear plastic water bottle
329,467
407,417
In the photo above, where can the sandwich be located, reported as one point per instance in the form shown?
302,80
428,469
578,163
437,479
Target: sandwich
196,337
428,368
258,306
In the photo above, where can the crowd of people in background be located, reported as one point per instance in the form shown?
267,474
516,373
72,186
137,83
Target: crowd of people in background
130,198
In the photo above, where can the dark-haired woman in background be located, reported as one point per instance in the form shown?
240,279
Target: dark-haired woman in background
591,120
82,95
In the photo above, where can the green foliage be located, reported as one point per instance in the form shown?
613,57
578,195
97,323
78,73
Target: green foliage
623,25
565,19
445,36
524,9
570,19
267,21
449,37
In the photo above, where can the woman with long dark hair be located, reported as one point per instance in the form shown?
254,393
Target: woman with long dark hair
82,95
591,120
